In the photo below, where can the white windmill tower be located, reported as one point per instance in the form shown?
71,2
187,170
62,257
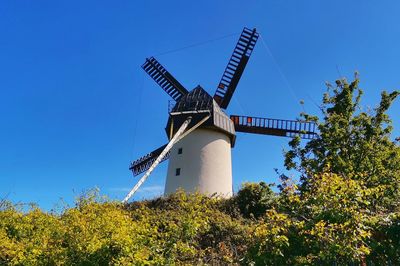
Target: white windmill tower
201,134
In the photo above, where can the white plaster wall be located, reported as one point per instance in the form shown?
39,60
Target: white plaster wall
205,164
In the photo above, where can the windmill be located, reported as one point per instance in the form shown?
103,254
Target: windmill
200,133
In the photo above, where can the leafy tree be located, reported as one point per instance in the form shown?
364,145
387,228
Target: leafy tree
350,176
352,142
345,207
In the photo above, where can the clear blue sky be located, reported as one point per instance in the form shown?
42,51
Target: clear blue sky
76,108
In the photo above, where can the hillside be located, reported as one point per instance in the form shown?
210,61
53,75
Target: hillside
187,230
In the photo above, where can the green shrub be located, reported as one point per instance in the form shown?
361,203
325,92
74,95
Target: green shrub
254,199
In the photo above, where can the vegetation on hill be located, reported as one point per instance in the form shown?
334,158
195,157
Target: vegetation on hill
344,208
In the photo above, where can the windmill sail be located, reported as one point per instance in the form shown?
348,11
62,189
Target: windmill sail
142,164
163,78
165,150
276,127
235,67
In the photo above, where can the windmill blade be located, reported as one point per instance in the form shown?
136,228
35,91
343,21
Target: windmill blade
143,164
276,127
166,149
235,67
163,78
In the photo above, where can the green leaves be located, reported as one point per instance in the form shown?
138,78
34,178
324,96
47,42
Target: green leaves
253,199
350,181
179,229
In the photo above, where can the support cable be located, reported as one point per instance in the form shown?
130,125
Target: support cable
139,106
196,44
293,93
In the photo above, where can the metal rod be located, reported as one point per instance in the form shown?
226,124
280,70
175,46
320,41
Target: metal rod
159,158
193,127
171,129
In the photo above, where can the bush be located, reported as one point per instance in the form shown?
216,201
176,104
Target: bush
254,199
179,229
